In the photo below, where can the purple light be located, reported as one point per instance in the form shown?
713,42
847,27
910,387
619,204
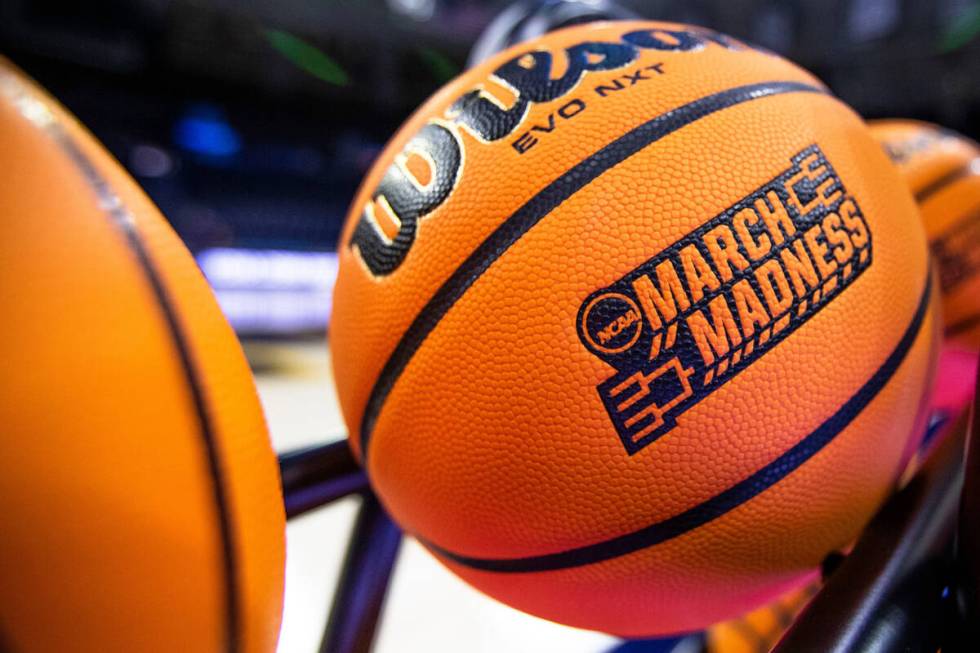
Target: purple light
271,291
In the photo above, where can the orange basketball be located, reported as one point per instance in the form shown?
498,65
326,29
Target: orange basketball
942,169
632,326
139,493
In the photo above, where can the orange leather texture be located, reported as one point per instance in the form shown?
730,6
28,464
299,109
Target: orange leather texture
943,171
112,536
493,442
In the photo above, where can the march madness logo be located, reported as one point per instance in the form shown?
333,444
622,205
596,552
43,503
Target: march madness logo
691,318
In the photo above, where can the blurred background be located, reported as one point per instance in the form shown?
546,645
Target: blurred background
251,124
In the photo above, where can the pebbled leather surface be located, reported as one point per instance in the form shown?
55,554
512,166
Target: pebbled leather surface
113,536
493,441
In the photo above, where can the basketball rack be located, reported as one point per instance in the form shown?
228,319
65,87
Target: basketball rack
911,582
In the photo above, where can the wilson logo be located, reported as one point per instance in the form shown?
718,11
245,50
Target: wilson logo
427,170
704,309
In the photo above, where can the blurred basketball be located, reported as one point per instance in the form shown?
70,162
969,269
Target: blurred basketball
632,326
942,169
760,630
139,493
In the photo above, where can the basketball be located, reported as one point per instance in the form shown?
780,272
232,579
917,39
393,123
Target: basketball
632,326
139,491
942,169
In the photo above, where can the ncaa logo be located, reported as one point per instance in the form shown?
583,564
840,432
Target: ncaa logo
611,323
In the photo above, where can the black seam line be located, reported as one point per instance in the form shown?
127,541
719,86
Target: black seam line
965,324
728,500
932,188
5,645
539,206
966,217
111,203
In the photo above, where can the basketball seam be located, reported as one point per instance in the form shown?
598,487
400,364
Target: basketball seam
537,208
113,206
725,501
5,645
937,185
207,433
965,324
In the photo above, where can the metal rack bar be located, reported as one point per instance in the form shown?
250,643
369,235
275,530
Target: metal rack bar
364,581
968,538
891,593
315,476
